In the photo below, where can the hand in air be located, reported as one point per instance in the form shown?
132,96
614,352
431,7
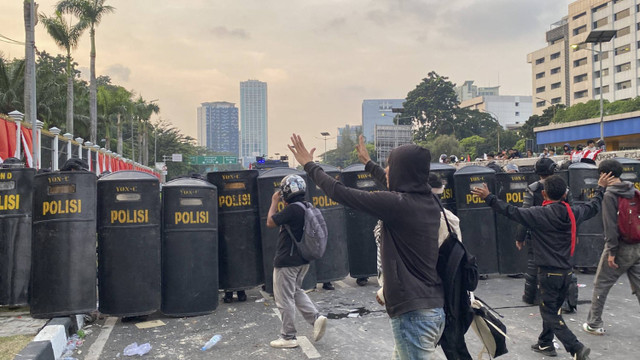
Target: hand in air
481,192
363,154
300,152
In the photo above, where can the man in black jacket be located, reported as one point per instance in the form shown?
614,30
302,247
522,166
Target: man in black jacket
553,236
411,220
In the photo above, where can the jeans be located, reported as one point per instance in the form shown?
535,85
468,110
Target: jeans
417,333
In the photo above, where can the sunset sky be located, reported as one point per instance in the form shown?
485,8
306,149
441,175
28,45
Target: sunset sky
320,58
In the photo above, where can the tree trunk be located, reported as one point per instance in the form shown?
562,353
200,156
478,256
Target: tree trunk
139,146
93,101
30,111
119,149
69,95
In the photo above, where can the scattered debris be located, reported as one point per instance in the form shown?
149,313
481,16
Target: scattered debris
150,324
261,300
135,349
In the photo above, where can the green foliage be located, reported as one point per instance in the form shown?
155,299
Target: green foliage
11,85
371,149
341,156
581,111
469,145
519,145
444,144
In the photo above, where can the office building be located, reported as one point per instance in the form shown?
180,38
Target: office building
468,91
218,127
253,120
378,112
389,137
562,74
510,111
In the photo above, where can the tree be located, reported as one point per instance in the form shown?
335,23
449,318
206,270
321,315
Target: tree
11,85
433,105
471,144
341,155
534,121
66,37
443,144
91,12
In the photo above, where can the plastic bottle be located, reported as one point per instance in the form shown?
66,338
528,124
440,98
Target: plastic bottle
214,340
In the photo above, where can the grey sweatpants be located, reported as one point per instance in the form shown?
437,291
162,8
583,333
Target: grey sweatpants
288,293
628,261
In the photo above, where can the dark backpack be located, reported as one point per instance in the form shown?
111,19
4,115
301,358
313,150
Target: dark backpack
629,218
314,234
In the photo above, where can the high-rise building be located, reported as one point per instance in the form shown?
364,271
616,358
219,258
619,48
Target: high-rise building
469,91
562,74
218,127
389,137
253,120
510,111
378,112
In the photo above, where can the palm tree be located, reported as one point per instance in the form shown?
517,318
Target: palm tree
11,85
144,110
66,37
90,11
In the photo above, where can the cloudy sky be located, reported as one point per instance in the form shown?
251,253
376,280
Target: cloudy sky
320,58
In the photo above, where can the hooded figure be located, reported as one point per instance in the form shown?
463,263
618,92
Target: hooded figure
411,217
566,148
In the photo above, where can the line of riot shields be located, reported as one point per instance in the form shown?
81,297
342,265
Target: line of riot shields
173,249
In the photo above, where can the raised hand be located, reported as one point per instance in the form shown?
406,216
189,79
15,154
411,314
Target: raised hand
300,152
363,154
606,179
482,192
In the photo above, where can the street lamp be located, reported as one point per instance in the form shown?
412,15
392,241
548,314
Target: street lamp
325,134
599,37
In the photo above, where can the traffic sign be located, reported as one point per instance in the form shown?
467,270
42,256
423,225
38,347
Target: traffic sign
212,160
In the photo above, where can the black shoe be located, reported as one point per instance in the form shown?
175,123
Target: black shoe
582,354
548,350
242,296
228,297
328,286
362,281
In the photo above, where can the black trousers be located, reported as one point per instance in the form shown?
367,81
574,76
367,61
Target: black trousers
553,284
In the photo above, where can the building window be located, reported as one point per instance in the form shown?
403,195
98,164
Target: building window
556,85
605,55
539,61
621,14
579,78
623,67
638,26
601,22
555,70
580,15
605,89
624,31
580,62
517,103
540,89
554,55
540,75
556,100
540,103
598,8
517,113
622,50
596,74
623,85
579,30
580,94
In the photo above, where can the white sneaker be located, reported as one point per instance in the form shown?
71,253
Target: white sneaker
319,326
284,344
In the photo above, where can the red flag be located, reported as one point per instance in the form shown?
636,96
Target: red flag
468,158
4,141
27,146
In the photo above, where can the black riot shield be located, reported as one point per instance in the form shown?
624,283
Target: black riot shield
189,247
445,173
583,181
268,183
63,269
359,225
129,243
477,219
334,265
16,190
239,245
630,171
511,188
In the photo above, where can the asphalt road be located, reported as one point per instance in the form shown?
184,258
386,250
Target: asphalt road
246,328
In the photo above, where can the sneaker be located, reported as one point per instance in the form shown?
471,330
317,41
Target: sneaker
242,296
328,286
592,330
548,350
319,326
582,354
362,281
284,344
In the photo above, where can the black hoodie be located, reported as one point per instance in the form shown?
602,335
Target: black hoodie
411,218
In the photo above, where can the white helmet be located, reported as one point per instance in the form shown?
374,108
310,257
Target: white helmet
292,185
